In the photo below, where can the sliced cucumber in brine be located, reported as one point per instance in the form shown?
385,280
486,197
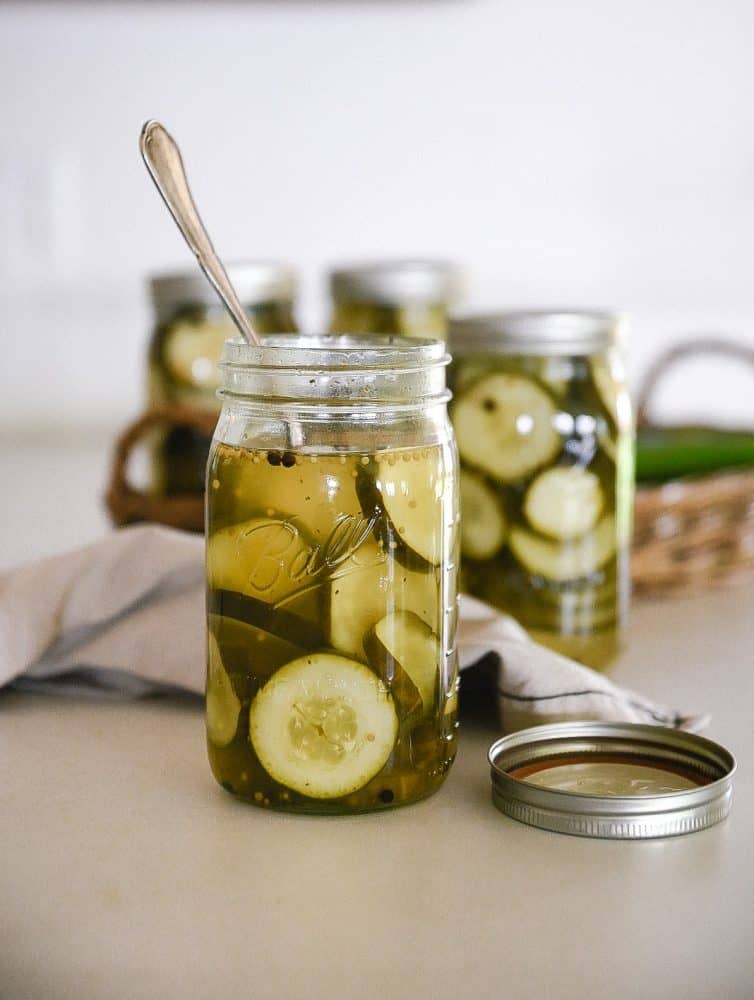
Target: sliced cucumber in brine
504,426
405,652
404,493
566,560
483,525
606,385
369,586
191,352
323,725
222,704
262,557
564,502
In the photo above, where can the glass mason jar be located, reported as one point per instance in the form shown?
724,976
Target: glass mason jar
186,346
545,436
409,298
332,524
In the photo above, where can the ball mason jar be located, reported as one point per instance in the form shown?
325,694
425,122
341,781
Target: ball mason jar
332,526
191,326
543,423
409,298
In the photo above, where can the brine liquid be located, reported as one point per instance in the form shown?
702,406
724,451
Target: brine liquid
305,555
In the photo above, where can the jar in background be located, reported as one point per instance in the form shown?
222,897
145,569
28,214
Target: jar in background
185,349
332,526
545,437
409,298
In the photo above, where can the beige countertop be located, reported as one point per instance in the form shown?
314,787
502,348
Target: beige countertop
125,871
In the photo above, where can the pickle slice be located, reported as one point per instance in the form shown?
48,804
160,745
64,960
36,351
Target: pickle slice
401,493
323,725
405,652
483,527
312,496
564,502
504,426
565,560
222,704
606,385
191,352
368,587
264,558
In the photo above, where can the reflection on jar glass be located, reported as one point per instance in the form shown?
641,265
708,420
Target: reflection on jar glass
332,532
544,430
186,347
409,298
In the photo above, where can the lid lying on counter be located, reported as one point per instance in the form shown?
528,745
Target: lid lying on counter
610,779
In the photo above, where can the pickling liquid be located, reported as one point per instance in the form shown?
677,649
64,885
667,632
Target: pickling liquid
331,679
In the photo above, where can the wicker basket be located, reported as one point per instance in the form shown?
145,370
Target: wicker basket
126,504
690,534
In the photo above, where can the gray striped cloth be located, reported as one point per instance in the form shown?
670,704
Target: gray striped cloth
124,618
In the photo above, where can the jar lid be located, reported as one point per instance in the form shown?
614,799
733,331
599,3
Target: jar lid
541,331
255,282
396,283
611,779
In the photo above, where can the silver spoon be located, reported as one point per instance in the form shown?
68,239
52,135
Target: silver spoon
163,159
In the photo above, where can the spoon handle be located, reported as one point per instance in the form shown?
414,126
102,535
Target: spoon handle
163,160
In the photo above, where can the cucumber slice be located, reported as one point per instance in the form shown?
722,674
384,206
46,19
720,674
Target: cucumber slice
323,725
405,653
406,494
483,527
222,704
263,558
464,372
313,496
504,426
564,502
369,586
606,385
252,654
566,560
191,352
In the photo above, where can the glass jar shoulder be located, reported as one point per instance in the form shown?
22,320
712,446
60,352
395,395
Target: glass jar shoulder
406,320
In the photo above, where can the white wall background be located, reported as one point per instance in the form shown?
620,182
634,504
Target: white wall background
564,151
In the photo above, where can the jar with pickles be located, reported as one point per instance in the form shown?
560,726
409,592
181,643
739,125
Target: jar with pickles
332,527
410,298
543,423
185,348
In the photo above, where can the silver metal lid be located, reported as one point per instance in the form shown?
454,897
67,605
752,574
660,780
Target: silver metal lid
255,281
612,779
396,283
553,331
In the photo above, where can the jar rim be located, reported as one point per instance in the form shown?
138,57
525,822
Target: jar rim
538,331
337,369
335,352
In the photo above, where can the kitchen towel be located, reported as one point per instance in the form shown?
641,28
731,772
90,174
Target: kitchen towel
125,617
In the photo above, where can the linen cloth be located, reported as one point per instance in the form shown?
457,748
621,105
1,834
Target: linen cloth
125,617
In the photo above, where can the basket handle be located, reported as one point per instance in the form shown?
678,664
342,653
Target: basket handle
127,504
687,348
